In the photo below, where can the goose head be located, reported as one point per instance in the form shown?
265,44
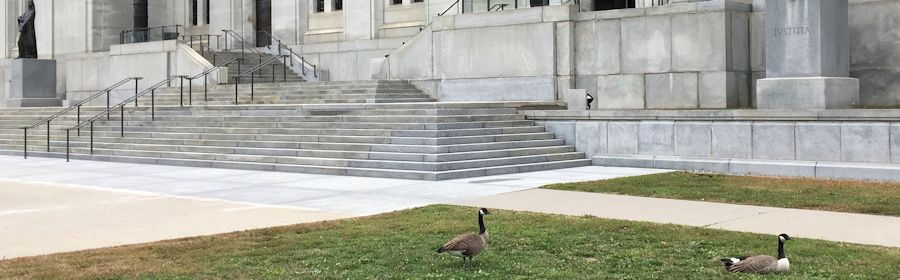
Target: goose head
483,212
783,237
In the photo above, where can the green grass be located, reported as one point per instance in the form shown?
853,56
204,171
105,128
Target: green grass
831,195
401,246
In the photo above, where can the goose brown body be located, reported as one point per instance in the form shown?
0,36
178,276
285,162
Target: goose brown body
761,264
468,245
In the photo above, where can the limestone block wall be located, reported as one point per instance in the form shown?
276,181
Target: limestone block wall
684,56
154,61
772,143
348,60
523,54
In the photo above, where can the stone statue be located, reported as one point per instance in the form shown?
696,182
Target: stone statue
27,38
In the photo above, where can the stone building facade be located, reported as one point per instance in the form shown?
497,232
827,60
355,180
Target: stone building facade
643,54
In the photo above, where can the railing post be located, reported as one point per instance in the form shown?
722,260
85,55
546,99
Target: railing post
284,69
252,85
92,137
78,119
122,120
48,136
191,92
107,105
237,82
136,92
67,145
25,139
206,87
153,104
273,73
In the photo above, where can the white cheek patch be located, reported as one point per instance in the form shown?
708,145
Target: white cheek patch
735,260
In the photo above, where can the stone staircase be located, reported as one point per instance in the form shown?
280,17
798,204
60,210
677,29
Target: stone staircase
366,128
265,75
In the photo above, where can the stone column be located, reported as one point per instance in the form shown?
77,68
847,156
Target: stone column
807,56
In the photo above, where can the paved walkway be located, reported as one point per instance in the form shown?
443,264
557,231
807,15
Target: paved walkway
833,226
48,205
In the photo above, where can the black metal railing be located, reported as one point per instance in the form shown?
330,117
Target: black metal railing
151,34
279,48
121,107
230,34
205,76
204,48
271,61
77,107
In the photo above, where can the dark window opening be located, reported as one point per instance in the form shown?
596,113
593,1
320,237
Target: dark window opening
396,2
538,3
602,5
338,5
194,12
320,6
206,11
418,1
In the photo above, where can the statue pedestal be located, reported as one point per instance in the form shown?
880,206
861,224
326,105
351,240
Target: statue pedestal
807,56
33,83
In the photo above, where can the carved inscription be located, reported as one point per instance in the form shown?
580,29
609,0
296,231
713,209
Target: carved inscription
792,31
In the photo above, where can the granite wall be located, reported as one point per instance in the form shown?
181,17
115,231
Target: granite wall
829,147
686,56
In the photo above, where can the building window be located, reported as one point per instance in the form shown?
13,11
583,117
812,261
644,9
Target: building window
206,11
418,1
538,3
602,5
194,12
338,5
396,2
319,6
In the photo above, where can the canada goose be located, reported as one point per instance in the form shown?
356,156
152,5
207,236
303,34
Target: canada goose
468,245
761,263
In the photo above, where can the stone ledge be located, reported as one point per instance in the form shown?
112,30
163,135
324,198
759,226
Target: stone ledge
720,115
784,168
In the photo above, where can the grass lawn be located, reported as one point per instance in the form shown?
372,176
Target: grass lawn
401,246
831,195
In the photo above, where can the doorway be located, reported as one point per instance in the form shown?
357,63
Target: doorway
263,22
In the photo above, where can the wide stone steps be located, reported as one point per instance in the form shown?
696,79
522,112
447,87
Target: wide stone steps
329,128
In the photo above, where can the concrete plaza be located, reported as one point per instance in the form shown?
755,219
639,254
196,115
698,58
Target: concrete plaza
49,206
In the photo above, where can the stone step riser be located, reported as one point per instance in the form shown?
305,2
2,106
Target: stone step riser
164,131
294,151
350,163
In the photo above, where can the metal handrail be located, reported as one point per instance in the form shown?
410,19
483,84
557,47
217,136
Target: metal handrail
205,76
121,106
77,107
292,54
499,7
151,90
237,79
427,25
243,42
190,41
178,28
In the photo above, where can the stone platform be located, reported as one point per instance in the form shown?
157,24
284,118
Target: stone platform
851,144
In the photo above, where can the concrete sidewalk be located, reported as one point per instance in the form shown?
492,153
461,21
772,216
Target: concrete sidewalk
832,226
